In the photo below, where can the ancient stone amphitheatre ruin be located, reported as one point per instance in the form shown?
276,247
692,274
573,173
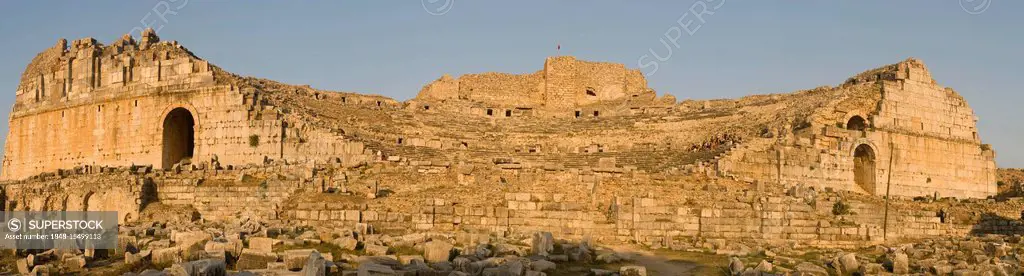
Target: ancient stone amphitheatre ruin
499,174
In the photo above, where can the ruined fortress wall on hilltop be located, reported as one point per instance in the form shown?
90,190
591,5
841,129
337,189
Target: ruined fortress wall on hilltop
496,87
146,104
926,131
563,84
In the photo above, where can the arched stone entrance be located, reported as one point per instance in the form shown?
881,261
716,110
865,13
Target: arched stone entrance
178,137
864,167
856,123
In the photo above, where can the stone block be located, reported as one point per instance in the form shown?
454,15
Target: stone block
375,250
437,251
296,259
168,255
633,270
254,259
264,244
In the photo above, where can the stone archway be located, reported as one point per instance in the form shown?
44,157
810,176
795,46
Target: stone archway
864,167
86,200
178,137
856,123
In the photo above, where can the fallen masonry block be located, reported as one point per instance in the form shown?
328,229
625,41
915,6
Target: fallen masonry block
168,255
264,244
437,251
375,250
254,259
296,259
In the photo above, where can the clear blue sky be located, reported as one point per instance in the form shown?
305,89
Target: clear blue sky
394,47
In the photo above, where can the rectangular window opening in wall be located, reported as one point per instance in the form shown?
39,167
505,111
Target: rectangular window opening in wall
400,140
378,103
490,112
99,108
578,113
596,113
426,107
343,99
508,113
136,103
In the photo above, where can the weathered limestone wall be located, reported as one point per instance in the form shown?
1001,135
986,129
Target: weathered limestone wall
561,86
914,103
107,106
322,147
921,166
648,220
88,70
124,194
936,140
925,166
565,82
293,194
128,129
570,82
927,131
219,199
502,89
496,88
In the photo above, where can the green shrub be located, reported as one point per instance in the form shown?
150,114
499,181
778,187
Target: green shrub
840,208
254,140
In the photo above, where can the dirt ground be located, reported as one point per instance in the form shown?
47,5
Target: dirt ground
659,262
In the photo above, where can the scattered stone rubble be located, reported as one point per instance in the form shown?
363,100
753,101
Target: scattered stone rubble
222,249
245,247
986,255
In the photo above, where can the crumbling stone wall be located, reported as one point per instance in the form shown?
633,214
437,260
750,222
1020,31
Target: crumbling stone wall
595,206
106,192
935,138
564,83
926,133
490,88
648,220
108,105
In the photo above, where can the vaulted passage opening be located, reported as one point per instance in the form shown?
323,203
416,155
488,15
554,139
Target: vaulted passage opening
857,123
179,137
864,168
